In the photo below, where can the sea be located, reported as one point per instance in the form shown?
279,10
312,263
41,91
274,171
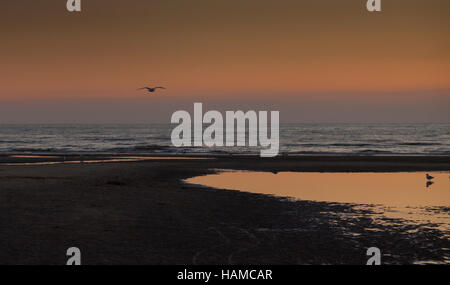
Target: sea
295,139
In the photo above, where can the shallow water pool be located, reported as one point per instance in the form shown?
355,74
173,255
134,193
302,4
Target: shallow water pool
408,196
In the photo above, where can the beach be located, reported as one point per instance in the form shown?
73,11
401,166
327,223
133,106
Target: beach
140,211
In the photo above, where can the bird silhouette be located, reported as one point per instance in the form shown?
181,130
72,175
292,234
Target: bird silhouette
151,89
429,177
429,183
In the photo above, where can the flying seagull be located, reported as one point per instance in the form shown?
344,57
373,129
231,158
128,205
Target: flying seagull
151,89
429,177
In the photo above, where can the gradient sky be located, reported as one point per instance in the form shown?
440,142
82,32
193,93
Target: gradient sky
315,61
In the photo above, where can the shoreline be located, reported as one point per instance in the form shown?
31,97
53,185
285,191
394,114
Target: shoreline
301,163
143,213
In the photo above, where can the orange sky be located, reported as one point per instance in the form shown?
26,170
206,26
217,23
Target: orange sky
234,49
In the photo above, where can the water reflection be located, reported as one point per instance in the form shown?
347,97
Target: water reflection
407,196
81,159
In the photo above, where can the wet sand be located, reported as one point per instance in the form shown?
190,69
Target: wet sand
141,212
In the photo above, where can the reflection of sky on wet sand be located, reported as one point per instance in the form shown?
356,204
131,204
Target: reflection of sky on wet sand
108,159
391,195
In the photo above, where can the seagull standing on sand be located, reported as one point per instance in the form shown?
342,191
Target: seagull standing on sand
151,89
429,177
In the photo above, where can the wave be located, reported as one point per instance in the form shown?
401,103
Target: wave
419,143
365,152
229,151
329,144
374,151
151,147
9,141
33,150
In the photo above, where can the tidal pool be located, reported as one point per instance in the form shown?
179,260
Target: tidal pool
408,196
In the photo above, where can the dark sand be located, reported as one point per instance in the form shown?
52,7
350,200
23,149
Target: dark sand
142,213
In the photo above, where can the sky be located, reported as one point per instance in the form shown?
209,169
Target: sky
314,61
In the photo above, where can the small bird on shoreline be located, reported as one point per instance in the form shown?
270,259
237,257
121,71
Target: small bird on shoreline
151,89
429,177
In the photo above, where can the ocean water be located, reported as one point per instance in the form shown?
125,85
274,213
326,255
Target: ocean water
403,139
